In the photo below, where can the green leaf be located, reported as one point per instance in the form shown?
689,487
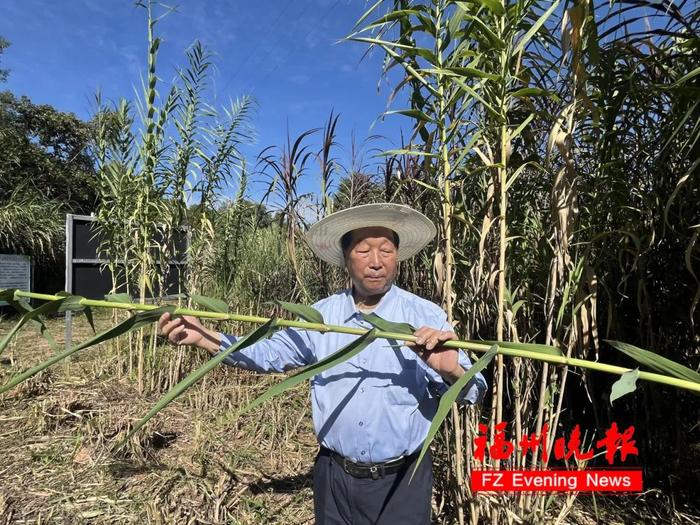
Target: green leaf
626,384
8,337
262,332
386,46
21,306
534,28
695,72
90,319
392,152
342,355
132,323
8,295
408,50
124,298
401,14
473,93
522,126
469,72
367,13
72,304
521,168
44,332
425,185
388,326
46,308
307,313
657,362
209,303
492,5
530,92
516,307
449,397
530,347
413,113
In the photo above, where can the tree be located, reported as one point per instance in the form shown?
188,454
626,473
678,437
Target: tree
357,188
45,152
46,170
4,44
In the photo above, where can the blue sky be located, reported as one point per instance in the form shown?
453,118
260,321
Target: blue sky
283,53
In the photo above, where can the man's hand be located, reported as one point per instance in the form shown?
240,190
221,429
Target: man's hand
187,330
445,361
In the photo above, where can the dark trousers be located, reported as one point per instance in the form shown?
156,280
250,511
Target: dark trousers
340,498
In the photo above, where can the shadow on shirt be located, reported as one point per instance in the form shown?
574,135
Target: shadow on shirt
405,379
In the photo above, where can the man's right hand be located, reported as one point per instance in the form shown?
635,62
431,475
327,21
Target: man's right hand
187,330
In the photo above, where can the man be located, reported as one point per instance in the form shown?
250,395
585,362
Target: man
372,413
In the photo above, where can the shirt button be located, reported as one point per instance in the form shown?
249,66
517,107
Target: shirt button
360,423
364,361
362,389
362,453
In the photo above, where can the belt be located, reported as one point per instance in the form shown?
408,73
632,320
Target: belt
369,470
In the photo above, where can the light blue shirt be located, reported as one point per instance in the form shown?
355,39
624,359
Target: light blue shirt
378,405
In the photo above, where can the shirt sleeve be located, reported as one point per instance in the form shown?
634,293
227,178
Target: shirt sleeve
473,392
286,349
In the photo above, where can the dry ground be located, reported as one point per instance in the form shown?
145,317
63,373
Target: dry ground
196,462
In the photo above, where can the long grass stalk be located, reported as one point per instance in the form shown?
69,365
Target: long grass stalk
538,352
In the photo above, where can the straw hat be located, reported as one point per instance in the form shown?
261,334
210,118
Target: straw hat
415,230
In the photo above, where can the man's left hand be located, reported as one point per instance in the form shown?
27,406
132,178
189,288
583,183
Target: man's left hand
445,361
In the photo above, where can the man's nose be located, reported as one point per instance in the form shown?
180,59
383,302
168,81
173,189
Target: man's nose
375,261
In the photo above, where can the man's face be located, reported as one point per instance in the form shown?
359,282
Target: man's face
371,260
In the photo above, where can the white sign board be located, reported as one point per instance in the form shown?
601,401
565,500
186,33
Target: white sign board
15,272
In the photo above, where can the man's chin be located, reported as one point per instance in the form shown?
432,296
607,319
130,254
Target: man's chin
375,287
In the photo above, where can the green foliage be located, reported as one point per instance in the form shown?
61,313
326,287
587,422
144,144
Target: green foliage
307,313
156,155
260,333
4,44
21,306
347,352
209,303
119,298
449,397
246,264
45,171
355,188
529,347
135,322
32,225
388,326
32,314
284,168
625,385
657,362
555,144
46,152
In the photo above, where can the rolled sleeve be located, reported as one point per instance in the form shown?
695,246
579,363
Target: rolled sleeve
473,392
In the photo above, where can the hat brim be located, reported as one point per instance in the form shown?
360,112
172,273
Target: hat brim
415,230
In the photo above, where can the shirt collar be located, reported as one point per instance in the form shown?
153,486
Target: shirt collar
382,310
